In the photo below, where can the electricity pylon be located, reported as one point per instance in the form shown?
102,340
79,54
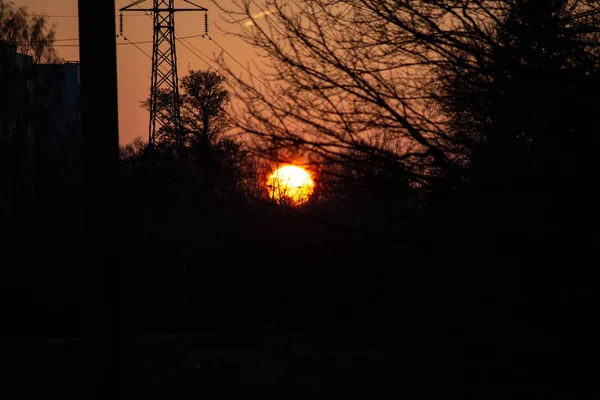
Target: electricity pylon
164,89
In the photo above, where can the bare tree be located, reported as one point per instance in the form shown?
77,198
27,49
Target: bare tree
358,81
350,83
349,78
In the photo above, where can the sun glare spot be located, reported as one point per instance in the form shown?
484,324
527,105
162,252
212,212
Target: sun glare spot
291,185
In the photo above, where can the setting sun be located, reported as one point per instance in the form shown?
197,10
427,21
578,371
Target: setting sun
291,185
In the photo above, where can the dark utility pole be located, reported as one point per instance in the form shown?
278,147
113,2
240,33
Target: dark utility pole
164,89
100,234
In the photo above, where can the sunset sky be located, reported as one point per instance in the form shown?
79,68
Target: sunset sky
134,67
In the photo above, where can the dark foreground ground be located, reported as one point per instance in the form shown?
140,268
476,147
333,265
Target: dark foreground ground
483,317
296,365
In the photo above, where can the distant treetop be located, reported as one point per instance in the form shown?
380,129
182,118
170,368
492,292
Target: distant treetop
31,35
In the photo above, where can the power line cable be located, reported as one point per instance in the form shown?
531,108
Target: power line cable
194,53
231,16
252,34
230,55
211,67
279,96
266,14
302,10
222,48
72,16
191,51
241,65
118,44
52,16
180,38
137,47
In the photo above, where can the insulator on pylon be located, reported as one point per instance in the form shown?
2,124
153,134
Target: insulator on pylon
206,23
121,24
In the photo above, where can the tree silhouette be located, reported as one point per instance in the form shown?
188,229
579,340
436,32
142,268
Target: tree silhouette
31,35
40,171
349,82
350,97
210,158
519,107
204,100
330,88
512,109
380,85
28,106
484,108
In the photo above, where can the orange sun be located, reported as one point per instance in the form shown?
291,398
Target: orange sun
290,185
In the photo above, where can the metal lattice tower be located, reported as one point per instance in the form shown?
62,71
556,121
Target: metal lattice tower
164,89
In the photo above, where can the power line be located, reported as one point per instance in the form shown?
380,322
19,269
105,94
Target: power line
229,54
179,38
231,16
266,14
232,82
222,48
191,51
52,16
150,41
136,46
72,16
118,44
210,38
241,65
247,30
183,41
252,34
279,96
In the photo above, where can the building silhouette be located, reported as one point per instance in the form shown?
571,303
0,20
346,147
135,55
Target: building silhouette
40,134
40,191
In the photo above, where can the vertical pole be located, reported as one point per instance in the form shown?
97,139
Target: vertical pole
99,117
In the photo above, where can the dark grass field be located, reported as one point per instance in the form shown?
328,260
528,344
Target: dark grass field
503,324
296,365
215,366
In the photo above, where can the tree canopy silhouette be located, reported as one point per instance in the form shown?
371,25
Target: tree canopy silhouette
212,159
520,106
32,35
203,101
28,107
435,91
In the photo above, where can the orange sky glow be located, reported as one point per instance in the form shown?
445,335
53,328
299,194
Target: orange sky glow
133,66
